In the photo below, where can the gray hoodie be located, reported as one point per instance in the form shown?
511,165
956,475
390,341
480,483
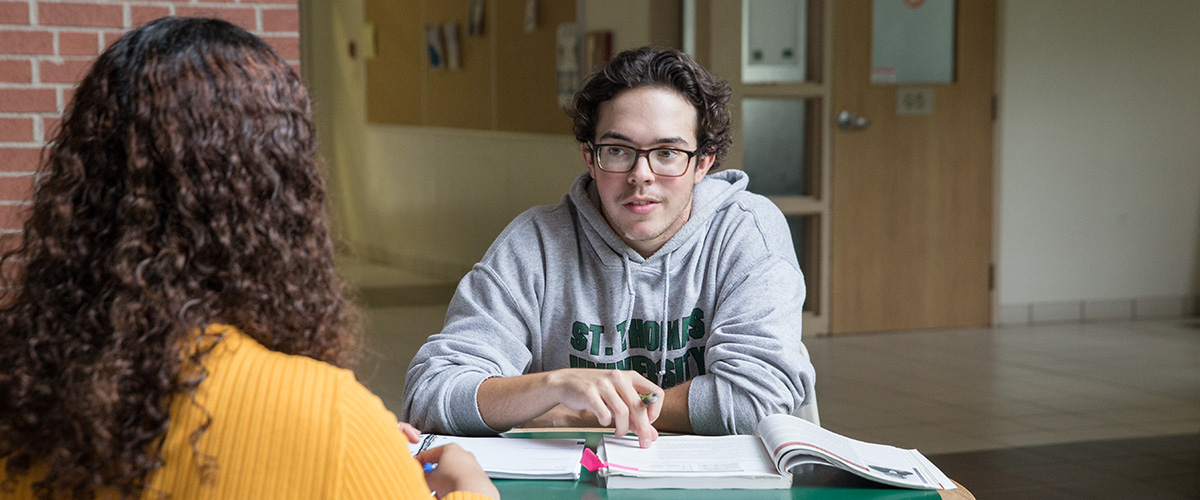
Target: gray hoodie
720,302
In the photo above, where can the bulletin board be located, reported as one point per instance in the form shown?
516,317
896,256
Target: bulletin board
507,79
394,74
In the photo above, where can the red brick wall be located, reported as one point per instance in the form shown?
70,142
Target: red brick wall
47,45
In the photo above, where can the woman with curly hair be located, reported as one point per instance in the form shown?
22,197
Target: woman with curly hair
174,327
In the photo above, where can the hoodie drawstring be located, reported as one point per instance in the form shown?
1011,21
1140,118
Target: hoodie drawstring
632,294
662,371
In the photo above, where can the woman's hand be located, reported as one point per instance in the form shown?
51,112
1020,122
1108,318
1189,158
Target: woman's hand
409,431
456,470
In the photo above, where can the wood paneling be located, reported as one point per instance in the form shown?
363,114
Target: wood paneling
508,80
394,75
526,74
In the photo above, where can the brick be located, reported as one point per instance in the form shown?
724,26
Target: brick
16,71
13,216
68,93
108,37
50,127
27,101
78,44
243,17
270,2
14,13
280,20
17,188
142,14
27,42
288,47
64,72
81,14
18,159
16,129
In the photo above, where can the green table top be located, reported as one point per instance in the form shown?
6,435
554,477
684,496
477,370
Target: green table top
817,483
588,487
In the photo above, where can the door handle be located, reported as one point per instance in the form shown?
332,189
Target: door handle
847,121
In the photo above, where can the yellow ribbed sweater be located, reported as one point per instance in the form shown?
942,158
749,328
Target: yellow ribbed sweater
286,427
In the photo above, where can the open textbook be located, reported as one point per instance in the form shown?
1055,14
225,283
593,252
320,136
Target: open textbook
510,458
764,461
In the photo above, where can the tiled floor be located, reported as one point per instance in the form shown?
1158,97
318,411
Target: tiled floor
971,398
1158,468
958,390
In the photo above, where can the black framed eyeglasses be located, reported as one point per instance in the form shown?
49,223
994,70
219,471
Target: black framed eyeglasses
667,162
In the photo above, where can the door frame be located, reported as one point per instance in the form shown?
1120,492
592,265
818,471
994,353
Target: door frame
719,48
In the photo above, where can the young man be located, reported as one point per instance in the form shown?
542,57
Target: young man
654,296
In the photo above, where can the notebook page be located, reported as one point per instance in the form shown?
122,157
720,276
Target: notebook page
691,455
512,457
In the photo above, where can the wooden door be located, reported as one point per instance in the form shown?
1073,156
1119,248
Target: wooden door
912,195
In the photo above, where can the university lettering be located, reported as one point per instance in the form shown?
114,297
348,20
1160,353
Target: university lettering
589,342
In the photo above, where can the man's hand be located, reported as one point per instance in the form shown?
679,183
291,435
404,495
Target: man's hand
612,396
561,416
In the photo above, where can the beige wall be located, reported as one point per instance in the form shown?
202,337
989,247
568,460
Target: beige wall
436,198
426,199
1099,158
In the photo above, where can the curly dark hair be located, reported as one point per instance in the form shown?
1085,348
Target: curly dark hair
654,67
182,189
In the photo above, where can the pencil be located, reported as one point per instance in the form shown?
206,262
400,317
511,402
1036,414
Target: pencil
649,398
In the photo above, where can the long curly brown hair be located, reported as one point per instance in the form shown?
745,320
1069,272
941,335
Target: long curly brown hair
181,190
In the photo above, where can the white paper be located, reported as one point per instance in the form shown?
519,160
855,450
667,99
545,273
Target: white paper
567,62
513,458
475,19
787,437
435,46
763,461
531,16
686,455
450,33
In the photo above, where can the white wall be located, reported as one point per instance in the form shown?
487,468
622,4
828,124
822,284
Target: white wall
1099,153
